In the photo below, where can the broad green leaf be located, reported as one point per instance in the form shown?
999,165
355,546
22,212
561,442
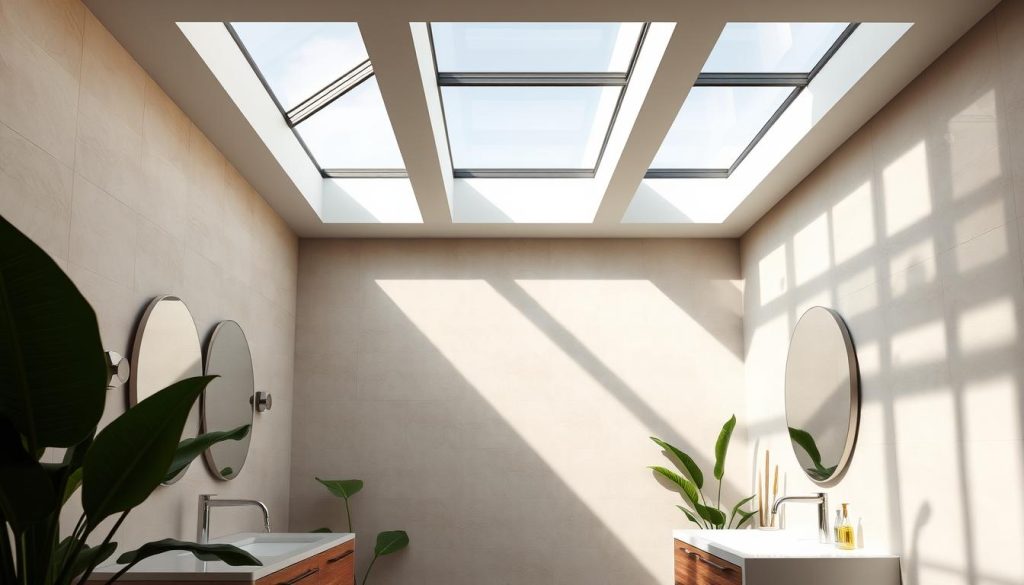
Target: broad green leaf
189,449
390,541
806,442
342,488
130,456
90,557
53,369
744,517
690,515
736,508
712,515
689,489
722,446
231,555
688,465
26,489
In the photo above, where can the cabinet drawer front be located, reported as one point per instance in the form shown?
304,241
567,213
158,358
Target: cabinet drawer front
337,565
703,568
305,572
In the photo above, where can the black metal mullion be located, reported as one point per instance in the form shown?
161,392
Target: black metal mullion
326,96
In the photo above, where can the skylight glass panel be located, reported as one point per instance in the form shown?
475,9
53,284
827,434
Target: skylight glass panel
772,47
298,59
585,47
716,124
528,127
353,132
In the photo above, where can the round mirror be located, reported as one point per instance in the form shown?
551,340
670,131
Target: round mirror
228,400
166,350
822,395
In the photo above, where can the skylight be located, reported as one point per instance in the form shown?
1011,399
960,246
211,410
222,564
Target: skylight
531,99
321,78
753,73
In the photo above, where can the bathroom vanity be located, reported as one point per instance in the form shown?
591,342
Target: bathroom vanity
757,557
288,559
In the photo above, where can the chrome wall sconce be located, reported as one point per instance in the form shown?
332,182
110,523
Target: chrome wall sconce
262,401
120,369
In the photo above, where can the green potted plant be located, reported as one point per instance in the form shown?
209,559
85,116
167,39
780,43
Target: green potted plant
53,384
388,542
690,481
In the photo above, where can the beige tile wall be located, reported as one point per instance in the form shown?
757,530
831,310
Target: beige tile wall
99,167
497,397
912,231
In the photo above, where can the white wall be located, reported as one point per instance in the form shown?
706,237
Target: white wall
912,231
497,397
100,168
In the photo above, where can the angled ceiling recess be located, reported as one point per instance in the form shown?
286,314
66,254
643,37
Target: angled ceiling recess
457,118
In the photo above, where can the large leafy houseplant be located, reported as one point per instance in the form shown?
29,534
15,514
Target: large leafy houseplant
53,384
690,481
389,541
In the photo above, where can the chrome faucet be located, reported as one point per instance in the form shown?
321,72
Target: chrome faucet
206,502
821,499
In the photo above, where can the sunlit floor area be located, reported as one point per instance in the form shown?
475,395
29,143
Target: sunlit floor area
458,293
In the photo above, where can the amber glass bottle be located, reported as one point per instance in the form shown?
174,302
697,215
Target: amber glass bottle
845,536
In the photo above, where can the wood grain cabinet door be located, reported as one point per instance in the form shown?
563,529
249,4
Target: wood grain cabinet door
337,566
696,567
306,572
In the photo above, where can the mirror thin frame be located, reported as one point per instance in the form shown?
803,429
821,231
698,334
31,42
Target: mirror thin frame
208,453
133,380
855,397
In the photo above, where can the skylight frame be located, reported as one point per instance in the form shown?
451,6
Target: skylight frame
534,79
319,100
798,81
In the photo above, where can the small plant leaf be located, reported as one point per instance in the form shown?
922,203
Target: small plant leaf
712,515
690,515
390,541
687,463
689,489
745,517
130,456
722,446
90,557
736,508
342,488
231,555
189,449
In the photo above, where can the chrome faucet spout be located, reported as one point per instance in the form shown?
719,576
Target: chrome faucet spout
821,499
207,501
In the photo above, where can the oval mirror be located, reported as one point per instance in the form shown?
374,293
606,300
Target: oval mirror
822,395
166,350
228,400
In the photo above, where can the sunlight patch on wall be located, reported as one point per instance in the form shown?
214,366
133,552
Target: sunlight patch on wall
811,250
771,275
987,327
907,190
980,220
853,224
982,251
921,345
913,267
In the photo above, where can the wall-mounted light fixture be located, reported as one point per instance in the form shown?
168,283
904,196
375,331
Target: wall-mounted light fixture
120,369
262,401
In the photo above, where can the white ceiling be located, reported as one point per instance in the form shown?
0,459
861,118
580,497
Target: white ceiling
149,30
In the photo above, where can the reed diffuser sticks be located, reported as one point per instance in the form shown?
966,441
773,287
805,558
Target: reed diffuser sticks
767,492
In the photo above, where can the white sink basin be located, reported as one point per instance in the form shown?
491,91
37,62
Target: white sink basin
738,545
265,546
275,551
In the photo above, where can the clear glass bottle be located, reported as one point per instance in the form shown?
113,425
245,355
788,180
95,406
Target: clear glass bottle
835,526
845,536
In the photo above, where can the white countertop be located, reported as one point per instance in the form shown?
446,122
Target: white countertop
275,551
737,545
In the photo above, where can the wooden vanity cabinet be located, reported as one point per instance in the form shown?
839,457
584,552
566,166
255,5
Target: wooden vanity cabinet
335,566
696,567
